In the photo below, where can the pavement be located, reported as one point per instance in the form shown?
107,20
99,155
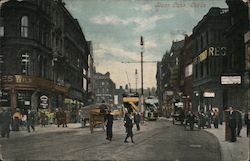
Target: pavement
232,151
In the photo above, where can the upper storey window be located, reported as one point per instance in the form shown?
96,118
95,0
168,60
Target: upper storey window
24,26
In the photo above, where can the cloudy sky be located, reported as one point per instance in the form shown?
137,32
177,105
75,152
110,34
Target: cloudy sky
115,27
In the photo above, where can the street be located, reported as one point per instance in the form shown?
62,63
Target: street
158,140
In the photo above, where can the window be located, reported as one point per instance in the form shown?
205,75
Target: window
201,69
1,31
25,63
24,26
176,61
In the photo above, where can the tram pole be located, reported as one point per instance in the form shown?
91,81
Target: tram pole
142,99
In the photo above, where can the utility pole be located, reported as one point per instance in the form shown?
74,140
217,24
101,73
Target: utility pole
136,78
1,56
142,99
142,47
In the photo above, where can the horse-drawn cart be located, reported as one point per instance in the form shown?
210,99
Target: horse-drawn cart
95,114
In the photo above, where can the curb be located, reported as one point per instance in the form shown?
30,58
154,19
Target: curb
221,151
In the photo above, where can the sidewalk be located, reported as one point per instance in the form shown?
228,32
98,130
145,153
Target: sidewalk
232,151
40,130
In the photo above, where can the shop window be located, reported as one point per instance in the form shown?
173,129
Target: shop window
24,26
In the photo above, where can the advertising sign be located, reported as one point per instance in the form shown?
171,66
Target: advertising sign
230,80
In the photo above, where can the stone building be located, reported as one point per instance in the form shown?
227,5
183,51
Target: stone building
209,51
44,56
235,61
104,88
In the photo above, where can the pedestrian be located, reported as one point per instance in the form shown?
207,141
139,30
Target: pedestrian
202,120
59,117
108,120
190,120
30,120
17,117
129,128
247,121
209,118
5,123
64,119
216,118
137,120
238,122
232,124
43,119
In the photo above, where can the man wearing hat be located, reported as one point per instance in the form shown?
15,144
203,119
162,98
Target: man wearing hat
108,119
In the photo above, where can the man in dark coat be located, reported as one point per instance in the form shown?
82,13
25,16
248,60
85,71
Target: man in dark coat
30,120
238,122
64,118
129,127
5,122
137,120
108,119
247,122
59,117
232,124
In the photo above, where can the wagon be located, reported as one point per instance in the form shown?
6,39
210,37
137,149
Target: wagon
95,114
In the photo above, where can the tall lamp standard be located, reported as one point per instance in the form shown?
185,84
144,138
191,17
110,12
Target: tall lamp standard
1,56
142,99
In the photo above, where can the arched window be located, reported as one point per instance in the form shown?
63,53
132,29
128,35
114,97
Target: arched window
24,26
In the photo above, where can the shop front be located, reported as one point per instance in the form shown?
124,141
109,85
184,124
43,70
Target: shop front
73,102
29,92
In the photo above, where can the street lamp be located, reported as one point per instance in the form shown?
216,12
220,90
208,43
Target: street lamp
197,95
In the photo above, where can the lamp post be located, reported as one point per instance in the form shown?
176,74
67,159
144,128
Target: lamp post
142,99
1,56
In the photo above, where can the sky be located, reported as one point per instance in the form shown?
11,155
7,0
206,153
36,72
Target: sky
115,28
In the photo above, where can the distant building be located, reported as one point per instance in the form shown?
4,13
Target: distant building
44,56
168,74
119,94
104,88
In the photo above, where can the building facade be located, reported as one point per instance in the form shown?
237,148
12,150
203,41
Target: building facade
91,72
168,78
209,52
44,56
104,88
186,73
235,61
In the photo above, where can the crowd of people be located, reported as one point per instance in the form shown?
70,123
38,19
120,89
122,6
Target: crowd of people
21,119
206,119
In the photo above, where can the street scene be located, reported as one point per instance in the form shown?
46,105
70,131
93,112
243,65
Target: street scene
125,80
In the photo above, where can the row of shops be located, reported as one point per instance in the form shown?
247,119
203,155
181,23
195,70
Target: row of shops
29,92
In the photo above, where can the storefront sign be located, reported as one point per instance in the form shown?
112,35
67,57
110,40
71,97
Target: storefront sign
44,101
210,52
33,81
209,94
230,80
